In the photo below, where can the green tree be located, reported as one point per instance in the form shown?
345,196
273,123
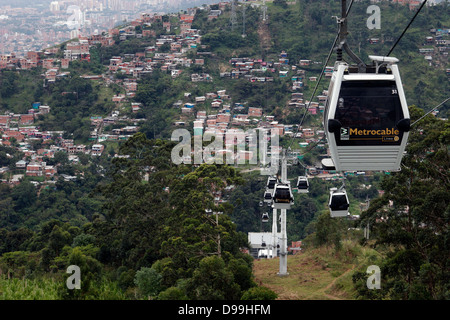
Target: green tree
172,293
212,281
148,280
328,231
242,273
415,209
24,195
90,273
8,80
281,3
61,157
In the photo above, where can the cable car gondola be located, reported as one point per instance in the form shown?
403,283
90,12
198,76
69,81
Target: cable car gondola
282,196
302,184
338,203
265,217
267,196
366,116
271,181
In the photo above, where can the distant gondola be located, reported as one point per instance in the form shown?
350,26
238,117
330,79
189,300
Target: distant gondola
271,181
265,217
302,184
282,196
338,203
267,196
366,116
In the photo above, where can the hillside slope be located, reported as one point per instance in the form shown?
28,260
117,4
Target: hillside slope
316,273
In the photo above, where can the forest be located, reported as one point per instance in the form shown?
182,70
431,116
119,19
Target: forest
143,230
152,234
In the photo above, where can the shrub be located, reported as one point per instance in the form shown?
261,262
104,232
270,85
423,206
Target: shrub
259,293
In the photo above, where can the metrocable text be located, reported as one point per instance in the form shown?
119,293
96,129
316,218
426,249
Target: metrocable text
382,132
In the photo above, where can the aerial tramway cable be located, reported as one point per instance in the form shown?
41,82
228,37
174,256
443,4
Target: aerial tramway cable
315,89
407,27
320,77
435,108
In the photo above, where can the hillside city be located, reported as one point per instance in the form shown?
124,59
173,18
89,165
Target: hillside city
222,115
37,25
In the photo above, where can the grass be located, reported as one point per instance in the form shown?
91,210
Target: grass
316,273
26,289
50,289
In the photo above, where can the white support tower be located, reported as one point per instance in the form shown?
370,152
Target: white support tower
274,234
283,236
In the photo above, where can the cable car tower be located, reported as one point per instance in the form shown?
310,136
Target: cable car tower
282,199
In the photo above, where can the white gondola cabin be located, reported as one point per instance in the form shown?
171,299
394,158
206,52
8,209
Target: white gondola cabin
366,117
267,196
265,217
338,203
263,243
302,184
282,196
271,182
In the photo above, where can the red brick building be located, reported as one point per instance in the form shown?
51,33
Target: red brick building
26,119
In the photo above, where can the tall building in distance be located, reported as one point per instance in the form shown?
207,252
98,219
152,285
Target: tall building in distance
54,6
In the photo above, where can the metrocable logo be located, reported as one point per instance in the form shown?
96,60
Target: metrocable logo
385,135
344,134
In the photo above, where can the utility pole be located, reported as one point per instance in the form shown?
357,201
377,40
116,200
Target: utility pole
219,250
367,228
264,8
233,18
283,238
243,23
